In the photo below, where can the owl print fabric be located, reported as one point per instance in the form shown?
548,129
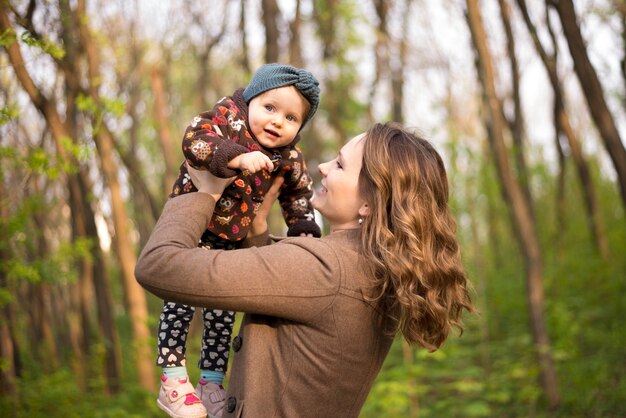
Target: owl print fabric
215,137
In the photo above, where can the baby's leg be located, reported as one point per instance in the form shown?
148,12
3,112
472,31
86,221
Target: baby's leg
172,334
218,328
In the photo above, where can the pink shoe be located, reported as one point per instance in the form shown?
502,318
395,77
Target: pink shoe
213,397
178,398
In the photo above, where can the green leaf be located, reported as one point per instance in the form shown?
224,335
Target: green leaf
7,38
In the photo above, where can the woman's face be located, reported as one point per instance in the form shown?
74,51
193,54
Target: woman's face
338,198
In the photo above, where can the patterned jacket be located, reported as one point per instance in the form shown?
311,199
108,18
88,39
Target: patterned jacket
217,136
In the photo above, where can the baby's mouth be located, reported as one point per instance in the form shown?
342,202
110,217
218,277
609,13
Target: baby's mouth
272,133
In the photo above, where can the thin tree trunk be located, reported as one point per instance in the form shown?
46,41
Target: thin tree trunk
560,183
144,220
7,371
295,47
161,114
83,289
563,127
519,207
381,53
102,290
7,353
517,124
270,20
245,61
593,90
620,5
397,69
326,14
59,132
203,51
135,295
408,360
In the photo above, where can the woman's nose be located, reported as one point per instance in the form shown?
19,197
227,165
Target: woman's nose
322,168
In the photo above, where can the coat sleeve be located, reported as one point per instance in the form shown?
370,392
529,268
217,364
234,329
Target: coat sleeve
295,197
294,279
209,141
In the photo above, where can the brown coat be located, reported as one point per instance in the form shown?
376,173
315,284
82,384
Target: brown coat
310,344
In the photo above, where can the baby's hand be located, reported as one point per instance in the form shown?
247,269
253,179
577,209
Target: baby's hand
252,162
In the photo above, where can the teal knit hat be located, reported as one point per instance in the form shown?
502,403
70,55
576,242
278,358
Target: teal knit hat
273,76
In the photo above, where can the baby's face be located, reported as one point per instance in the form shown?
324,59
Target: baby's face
275,117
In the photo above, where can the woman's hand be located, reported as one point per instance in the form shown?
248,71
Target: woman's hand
206,182
259,225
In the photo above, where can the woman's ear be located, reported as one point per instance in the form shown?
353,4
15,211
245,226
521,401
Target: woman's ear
364,210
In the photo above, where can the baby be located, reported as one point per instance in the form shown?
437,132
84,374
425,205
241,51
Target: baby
251,135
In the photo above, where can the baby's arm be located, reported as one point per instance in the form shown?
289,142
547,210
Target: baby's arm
208,141
295,198
252,162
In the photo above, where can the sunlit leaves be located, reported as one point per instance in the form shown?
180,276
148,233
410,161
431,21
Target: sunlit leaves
45,44
8,113
7,38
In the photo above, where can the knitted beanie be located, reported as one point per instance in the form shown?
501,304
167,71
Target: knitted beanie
273,76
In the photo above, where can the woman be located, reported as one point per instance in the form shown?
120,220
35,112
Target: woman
321,314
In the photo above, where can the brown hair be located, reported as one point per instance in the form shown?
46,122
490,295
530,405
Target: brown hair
409,236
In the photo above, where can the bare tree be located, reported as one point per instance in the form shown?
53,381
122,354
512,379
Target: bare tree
245,61
161,116
563,128
82,215
592,89
211,35
520,211
295,44
135,295
516,122
381,52
271,14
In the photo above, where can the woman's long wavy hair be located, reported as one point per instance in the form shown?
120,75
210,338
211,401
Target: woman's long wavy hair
409,236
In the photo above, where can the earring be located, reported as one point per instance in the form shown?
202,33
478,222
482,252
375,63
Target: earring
360,221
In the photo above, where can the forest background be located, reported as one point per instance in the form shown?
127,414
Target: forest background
525,100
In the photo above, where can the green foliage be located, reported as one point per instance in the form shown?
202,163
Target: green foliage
45,44
8,113
7,38
491,371
58,395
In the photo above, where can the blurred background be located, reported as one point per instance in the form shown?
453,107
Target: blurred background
525,99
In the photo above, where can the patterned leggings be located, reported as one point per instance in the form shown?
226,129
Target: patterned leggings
218,327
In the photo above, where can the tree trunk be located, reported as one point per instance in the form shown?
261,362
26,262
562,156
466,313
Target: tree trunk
59,132
397,68
161,114
7,341
563,127
593,90
621,9
102,290
203,50
270,22
517,124
295,47
520,211
381,53
408,361
135,296
245,61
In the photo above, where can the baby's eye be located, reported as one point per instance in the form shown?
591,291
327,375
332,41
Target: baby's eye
269,107
292,118
338,164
